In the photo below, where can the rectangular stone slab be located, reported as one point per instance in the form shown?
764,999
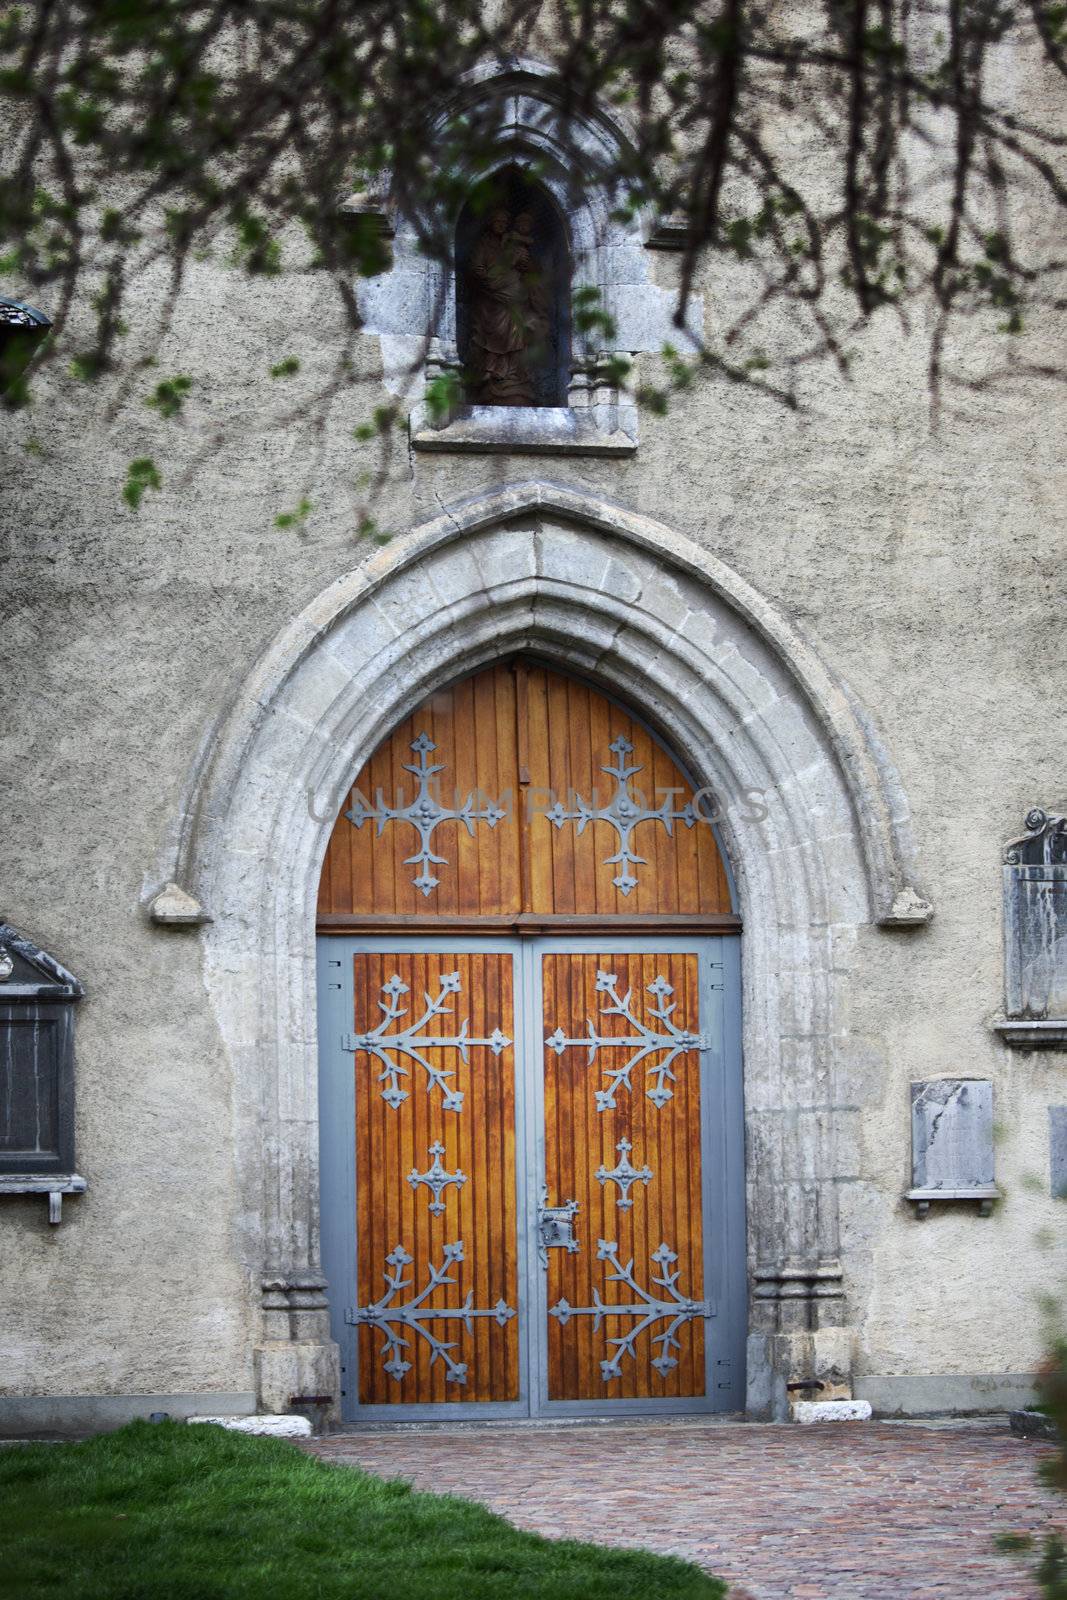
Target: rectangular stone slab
952,1134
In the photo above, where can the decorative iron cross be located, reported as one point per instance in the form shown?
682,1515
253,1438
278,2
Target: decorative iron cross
424,813
625,1174
436,1178
623,813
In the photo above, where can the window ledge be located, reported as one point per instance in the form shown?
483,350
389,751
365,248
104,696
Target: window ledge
598,430
54,1184
1031,1033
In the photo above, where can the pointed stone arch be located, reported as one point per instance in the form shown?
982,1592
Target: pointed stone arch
812,818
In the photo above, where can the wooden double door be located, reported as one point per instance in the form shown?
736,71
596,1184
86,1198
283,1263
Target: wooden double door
532,1170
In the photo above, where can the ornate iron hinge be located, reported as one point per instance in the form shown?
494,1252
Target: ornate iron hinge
392,1317
647,1308
414,1044
661,1047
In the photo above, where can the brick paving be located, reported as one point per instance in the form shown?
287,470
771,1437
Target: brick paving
846,1511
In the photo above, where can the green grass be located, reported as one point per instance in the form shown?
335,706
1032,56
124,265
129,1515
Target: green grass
170,1512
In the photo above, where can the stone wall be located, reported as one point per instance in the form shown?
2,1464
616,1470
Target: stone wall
920,565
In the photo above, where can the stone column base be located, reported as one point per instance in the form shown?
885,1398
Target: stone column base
301,1379
298,1365
800,1347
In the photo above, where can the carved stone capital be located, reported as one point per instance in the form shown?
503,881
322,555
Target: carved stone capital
798,1296
799,1280
297,1364
295,1306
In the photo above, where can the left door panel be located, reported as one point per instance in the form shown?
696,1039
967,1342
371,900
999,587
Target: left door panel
423,1061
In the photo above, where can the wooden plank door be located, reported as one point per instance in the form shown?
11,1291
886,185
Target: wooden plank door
466,1085
628,1040
437,1296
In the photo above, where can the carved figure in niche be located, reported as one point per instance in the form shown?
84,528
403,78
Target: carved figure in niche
510,312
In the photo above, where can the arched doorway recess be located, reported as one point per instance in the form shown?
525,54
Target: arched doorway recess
530,1087
617,597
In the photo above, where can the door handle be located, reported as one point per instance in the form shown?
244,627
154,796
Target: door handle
555,1227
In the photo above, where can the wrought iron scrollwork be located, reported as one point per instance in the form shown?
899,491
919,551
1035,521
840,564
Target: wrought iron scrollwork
647,1308
393,1317
624,813
425,814
414,1044
666,1043
1043,843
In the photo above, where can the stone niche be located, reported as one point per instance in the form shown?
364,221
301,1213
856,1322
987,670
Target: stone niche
952,1143
591,253
37,998
1035,934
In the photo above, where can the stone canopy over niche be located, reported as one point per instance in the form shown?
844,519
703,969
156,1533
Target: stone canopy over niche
419,314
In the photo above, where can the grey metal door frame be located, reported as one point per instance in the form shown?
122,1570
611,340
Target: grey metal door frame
722,1154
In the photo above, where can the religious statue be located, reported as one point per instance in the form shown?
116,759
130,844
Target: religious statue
510,313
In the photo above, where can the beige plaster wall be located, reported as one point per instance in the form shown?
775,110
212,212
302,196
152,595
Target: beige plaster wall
925,566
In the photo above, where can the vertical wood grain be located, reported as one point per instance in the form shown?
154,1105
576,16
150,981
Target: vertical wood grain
579,1139
479,1140
512,732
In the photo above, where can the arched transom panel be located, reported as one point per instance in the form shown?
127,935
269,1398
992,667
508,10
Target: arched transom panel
521,792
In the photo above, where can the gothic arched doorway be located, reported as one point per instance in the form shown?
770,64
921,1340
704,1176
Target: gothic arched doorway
530,1087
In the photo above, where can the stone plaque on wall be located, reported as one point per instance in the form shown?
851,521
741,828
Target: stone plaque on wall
1057,1138
1035,922
952,1142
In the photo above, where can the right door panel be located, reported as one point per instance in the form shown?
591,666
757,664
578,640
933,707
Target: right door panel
628,1037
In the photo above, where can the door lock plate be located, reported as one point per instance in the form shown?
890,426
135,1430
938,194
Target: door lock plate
555,1229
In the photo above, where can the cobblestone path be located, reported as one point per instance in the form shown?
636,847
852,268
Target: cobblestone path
846,1511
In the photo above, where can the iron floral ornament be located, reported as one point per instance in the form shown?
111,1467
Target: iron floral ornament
623,813
667,1043
425,814
393,1317
647,1308
416,1045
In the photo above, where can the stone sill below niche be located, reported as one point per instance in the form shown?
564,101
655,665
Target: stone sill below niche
529,430
985,1195
1033,1034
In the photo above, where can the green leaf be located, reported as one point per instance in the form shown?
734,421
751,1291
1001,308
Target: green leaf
88,366
168,397
294,519
141,475
443,393
1014,1543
